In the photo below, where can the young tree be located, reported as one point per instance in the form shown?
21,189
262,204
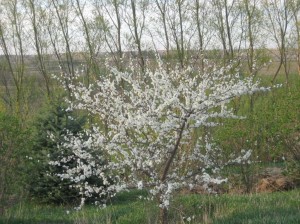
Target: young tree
149,134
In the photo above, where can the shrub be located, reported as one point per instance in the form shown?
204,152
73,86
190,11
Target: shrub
14,146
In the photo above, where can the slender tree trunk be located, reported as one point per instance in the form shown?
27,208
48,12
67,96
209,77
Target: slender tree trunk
162,8
250,57
182,53
228,30
137,36
91,56
163,216
38,47
200,36
163,210
63,22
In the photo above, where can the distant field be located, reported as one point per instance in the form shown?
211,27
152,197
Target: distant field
52,64
271,68
280,207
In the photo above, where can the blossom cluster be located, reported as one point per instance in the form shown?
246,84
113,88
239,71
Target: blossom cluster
147,126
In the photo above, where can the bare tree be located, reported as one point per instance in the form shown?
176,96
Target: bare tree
201,12
277,23
62,11
37,18
12,36
295,8
59,17
6,67
162,6
93,31
225,23
175,19
252,21
135,19
110,17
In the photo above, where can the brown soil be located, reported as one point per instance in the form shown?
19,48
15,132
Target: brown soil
272,184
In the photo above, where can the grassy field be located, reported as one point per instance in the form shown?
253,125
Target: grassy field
279,207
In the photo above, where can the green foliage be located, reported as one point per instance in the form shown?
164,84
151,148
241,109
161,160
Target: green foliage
14,147
293,159
271,119
46,185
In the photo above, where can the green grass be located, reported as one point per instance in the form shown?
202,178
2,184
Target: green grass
280,207
272,119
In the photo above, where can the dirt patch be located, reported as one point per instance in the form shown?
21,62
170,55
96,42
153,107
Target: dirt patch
272,184
273,180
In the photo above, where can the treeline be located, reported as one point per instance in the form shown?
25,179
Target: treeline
183,32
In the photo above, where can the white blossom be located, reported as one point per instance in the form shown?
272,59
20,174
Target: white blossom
146,130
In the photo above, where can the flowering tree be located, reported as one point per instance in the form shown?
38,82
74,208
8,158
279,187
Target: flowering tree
147,129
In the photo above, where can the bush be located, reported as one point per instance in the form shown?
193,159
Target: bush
293,159
14,146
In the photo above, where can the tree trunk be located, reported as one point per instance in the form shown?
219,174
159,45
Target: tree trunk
163,215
